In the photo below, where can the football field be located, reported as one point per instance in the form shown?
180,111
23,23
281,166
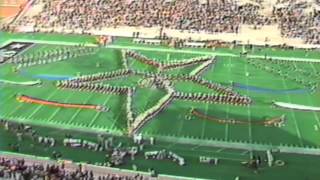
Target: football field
282,84
282,79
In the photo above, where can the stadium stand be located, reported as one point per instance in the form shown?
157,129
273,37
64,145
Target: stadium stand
295,18
11,168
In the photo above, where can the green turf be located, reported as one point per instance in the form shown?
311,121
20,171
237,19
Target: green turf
173,121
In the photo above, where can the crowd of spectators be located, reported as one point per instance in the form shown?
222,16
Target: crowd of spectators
19,169
210,16
295,19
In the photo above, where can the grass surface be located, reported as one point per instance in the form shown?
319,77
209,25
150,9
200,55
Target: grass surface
299,129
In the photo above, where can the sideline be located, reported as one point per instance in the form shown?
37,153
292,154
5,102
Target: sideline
212,53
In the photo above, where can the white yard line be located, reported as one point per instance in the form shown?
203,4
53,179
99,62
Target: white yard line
205,122
98,113
286,58
172,144
58,109
226,133
168,50
248,108
40,106
5,43
14,110
220,150
168,57
210,53
309,98
313,68
18,107
181,126
52,42
256,78
293,115
8,97
25,50
214,151
78,111
245,152
195,147
315,114
116,119
93,120
182,122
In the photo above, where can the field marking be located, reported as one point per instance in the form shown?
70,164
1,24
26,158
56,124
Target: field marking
40,106
51,42
314,113
195,147
245,152
7,99
179,68
26,49
59,108
167,50
172,144
14,110
293,115
181,124
309,98
18,107
10,96
205,122
4,43
98,113
314,69
168,57
248,108
78,110
226,133
183,119
119,114
211,53
219,151
255,77
35,46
